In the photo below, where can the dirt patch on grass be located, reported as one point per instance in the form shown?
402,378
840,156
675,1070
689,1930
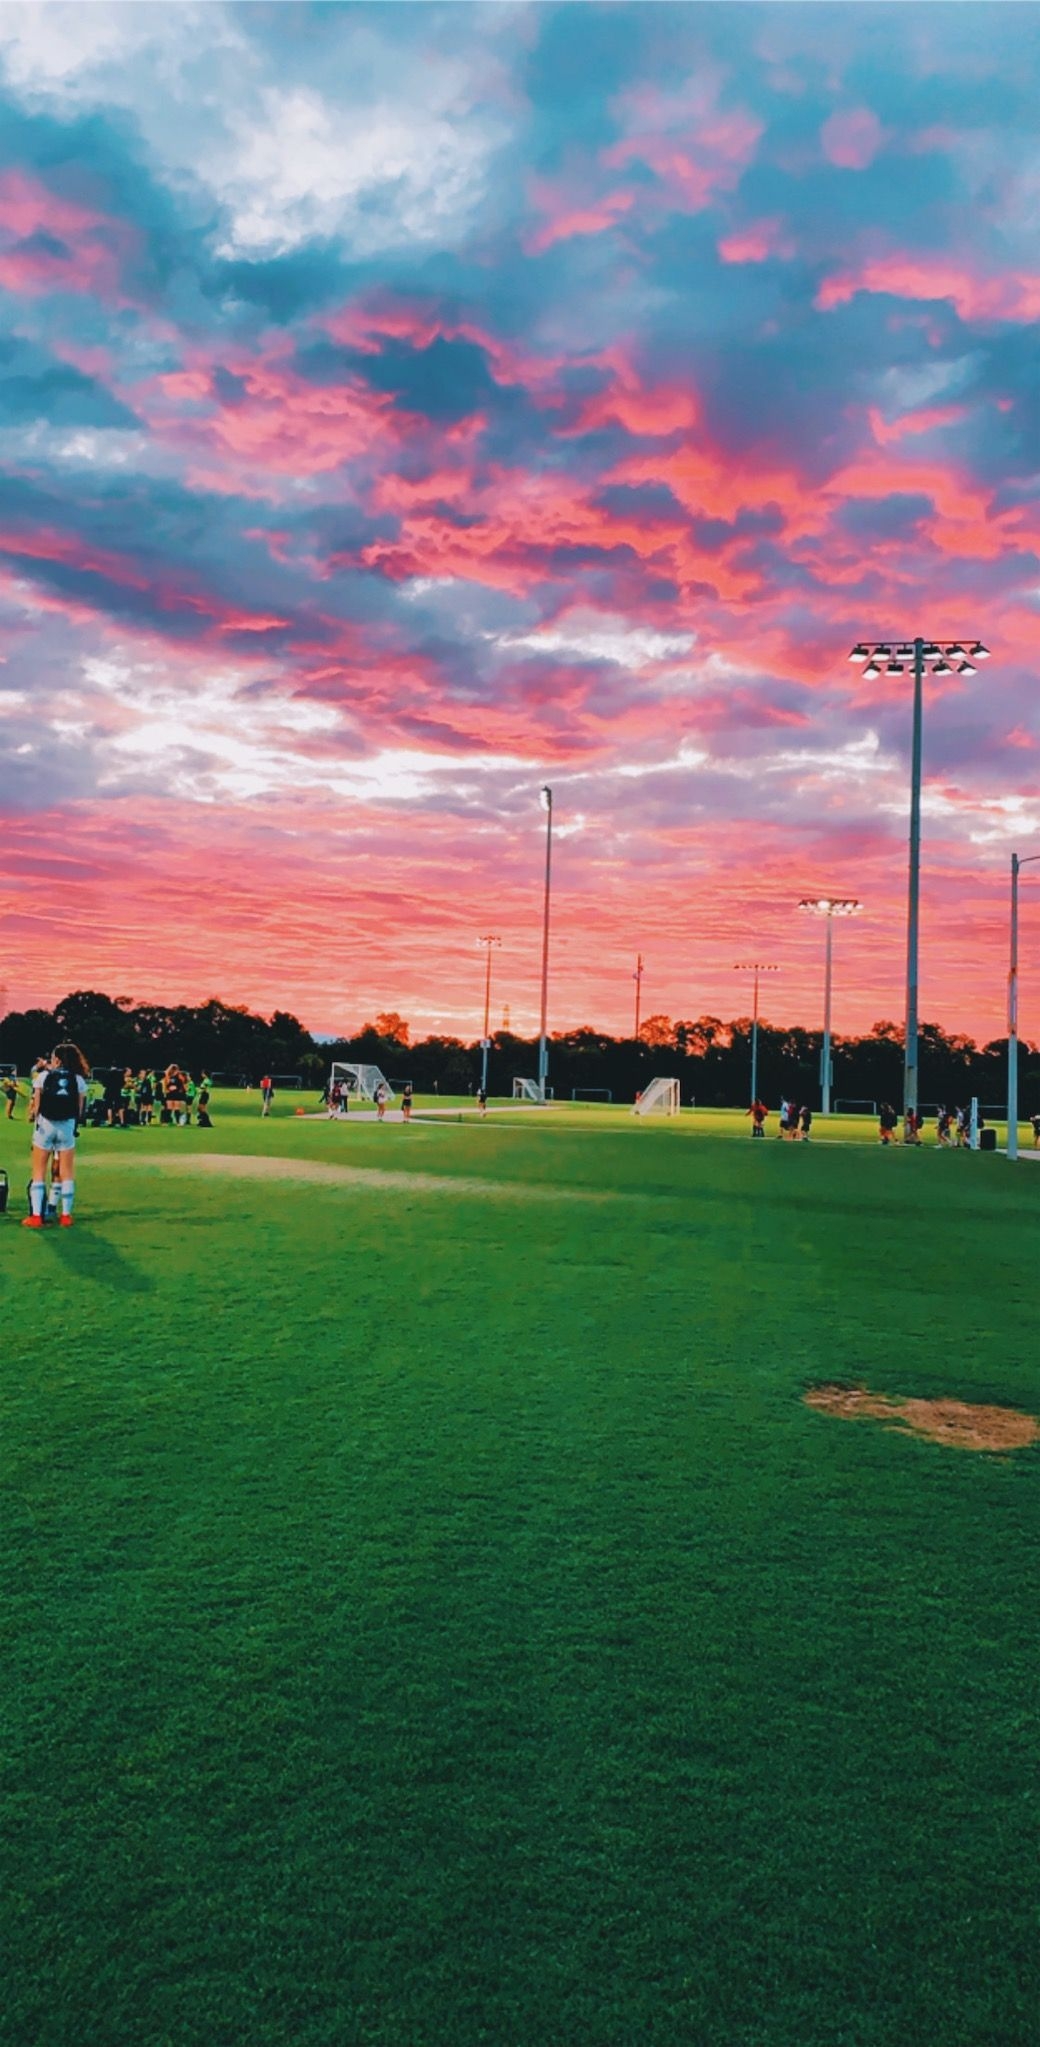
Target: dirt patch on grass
954,1422
264,1166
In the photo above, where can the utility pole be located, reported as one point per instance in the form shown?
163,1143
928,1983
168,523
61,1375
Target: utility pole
638,979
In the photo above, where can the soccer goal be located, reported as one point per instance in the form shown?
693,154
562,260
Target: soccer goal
850,1106
526,1090
592,1094
660,1098
360,1080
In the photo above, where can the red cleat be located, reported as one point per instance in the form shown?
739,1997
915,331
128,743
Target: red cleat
66,1222
32,1222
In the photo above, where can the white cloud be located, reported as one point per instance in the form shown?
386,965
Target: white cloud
360,133
380,174
601,638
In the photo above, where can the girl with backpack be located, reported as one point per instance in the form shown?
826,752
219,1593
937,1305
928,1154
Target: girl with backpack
57,1109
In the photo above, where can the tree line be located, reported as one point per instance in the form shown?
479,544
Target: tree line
710,1058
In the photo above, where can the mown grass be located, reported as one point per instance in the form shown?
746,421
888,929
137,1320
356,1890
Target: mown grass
433,1616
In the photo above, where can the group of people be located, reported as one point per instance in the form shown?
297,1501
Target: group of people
952,1126
336,1097
141,1098
795,1123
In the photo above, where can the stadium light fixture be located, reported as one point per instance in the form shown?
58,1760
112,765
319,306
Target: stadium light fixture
828,907
755,967
1012,1102
543,1042
935,656
485,1044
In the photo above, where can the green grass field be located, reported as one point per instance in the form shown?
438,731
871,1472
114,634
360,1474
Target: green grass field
432,1614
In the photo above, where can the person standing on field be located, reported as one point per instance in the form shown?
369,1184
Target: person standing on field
11,1096
266,1094
57,1108
406,1101
380,1102
887,1122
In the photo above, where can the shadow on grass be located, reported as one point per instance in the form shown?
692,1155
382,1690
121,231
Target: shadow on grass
92,1257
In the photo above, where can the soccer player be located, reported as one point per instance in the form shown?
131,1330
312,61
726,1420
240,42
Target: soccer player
266,1094
406,1101
805,1122
10,1087
482,1100
57,1109
1035,1126
887,1122
380,1102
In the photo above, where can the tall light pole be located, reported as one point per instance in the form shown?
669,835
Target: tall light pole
828,907
939,657
638,979
755,967
485,1043
543,1045
1012,1105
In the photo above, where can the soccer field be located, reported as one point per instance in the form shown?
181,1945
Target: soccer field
434,1617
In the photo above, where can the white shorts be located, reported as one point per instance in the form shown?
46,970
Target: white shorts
48,1136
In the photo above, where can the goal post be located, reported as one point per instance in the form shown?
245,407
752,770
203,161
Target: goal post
526,1090
360,1080
660,1098
592,1094
850,1105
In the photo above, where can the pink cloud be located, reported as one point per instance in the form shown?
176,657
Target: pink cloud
51,243
851,138
928,420
756,242
694,148
567,216
1012,296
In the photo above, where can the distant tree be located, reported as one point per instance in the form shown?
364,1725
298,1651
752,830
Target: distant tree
658,1032
392,1027
27,1035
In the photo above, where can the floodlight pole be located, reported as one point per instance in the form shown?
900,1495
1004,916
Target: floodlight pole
825,1055
638,979
754,1045
828,907
937,656
485,1047
1012,1102
913,900
755,967
543,1044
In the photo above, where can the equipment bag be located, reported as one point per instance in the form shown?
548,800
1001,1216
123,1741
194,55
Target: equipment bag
59,1095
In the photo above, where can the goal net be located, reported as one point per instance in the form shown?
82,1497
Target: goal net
360,1080
526,1091
592,1094
661,1098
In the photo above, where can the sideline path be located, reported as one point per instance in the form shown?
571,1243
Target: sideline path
234,1165
424,1115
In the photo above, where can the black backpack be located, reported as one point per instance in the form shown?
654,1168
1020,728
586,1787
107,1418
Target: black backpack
59,1095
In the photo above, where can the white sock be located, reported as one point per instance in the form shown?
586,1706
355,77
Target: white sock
68,1191
37,1195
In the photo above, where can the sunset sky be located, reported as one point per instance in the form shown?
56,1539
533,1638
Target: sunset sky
404,406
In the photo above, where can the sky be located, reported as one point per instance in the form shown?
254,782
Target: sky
402,407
